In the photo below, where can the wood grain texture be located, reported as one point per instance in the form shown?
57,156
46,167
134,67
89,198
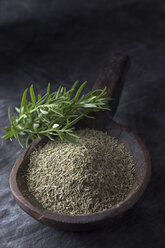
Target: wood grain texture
113,77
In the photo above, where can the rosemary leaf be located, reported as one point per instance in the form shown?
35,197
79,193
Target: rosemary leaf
54,114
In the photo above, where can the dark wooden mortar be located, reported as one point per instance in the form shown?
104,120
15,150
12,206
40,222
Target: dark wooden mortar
112,77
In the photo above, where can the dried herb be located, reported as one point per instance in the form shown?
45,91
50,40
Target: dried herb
83,179
53,114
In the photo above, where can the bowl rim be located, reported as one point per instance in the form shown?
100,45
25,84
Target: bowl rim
113,212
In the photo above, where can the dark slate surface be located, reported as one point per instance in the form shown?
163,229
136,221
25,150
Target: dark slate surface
61,41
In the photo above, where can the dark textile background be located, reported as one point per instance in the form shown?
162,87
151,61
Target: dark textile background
62,41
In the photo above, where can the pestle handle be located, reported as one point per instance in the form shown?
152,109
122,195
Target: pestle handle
113,77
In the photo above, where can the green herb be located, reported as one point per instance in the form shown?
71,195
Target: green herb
84,179
53,114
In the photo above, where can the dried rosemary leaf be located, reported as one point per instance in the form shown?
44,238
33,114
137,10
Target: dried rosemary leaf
81,179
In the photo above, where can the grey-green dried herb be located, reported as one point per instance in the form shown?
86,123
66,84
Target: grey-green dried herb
81,179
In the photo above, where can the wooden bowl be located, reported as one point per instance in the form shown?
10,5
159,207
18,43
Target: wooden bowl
86,222
133,144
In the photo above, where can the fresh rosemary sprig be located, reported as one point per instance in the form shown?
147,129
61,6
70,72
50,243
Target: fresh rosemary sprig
54,113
